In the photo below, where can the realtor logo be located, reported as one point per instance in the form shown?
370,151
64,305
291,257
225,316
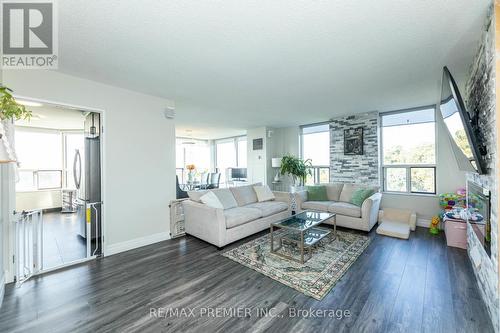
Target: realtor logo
29,35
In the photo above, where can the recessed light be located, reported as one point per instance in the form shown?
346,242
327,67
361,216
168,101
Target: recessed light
28,103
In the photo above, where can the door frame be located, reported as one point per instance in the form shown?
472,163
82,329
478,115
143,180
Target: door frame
8,182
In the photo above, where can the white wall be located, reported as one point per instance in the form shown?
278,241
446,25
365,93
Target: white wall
257,160
139,152
44,199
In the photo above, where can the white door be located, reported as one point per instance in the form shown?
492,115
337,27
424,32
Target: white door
28,257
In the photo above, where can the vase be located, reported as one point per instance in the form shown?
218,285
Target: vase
190,177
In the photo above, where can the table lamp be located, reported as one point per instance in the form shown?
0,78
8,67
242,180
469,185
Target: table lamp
276,163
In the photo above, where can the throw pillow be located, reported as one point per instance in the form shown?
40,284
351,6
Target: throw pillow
211,200
196,195
360,195
316,193
264,193
226,198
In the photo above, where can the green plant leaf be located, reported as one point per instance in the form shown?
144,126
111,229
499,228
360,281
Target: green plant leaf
9,108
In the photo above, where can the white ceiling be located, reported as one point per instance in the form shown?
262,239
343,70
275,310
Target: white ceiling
232,65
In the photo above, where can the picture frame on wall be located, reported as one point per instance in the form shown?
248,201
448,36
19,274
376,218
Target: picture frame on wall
353,141
258,144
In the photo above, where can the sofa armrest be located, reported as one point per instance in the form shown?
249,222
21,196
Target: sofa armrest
370,209
300,197
205,222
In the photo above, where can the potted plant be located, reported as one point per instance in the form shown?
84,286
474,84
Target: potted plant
10,110
297,169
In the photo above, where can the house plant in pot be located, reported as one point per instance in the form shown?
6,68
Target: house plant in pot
298,169
10,110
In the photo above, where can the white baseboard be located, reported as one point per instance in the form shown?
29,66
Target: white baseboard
2,288
135,243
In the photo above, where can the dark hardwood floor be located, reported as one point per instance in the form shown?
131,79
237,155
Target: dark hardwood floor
418,285
61,242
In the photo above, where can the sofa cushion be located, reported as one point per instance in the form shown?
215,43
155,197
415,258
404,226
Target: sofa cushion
225,197
345,208
360,195
317,205
333,191
263,193
349,189
241,215
316,193
269,208
196,195
211,200
244,195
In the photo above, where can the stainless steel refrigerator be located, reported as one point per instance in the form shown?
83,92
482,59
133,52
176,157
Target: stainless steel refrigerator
87,174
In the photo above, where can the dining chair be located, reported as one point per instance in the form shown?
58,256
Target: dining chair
214,180
180,194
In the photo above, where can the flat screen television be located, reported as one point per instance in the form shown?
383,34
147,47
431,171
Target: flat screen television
463,128
238,173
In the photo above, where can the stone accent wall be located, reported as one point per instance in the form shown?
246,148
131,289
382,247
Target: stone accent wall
362,169
480,97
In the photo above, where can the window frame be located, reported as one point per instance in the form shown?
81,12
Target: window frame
316,169
235,140
408,167
36,182
49,188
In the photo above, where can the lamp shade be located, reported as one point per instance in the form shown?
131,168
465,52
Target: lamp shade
276,162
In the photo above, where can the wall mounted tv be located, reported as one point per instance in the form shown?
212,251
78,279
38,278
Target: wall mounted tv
462,127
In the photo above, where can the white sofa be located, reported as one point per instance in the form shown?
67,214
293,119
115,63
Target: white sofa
339,202
224,226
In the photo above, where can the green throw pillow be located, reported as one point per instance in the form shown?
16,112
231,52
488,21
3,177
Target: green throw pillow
360,195
316,193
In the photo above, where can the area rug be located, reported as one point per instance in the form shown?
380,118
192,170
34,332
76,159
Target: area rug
317,276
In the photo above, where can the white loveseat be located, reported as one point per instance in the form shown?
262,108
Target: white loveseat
223,226
339,202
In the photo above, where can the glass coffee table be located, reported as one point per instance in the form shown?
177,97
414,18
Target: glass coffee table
303,231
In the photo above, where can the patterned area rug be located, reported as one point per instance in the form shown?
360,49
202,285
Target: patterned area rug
317,276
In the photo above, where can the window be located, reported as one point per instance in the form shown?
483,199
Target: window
49,179
230,153
409,151
191,151
315,142
40,153
242,152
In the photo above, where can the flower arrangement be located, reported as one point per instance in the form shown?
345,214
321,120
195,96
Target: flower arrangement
190,168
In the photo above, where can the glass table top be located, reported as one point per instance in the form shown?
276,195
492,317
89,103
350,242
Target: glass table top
304,220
